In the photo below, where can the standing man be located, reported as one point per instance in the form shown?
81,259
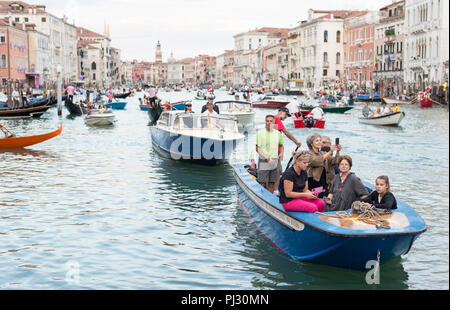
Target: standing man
153,91
269,146
70,92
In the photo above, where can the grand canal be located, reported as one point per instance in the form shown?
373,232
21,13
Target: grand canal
98,208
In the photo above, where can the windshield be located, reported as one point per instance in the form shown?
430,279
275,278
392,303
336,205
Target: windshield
233,106
193,121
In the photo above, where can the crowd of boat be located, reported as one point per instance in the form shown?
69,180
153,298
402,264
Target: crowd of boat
210,136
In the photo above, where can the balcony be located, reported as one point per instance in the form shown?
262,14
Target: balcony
416,63
359,42
418,28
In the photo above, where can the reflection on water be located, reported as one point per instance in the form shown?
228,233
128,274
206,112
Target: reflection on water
131,218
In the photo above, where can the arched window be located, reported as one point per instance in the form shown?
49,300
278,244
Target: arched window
325,57
93,66
325,36
3,64
338,37
338,58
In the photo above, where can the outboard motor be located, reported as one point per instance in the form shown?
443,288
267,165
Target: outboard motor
309,122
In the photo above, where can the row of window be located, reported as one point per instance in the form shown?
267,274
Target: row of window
26,19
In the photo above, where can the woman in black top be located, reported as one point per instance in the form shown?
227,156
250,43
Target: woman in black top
294,194
381,198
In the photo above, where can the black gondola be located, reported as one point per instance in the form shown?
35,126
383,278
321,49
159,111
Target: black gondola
154,113
74,108
24,112
122,96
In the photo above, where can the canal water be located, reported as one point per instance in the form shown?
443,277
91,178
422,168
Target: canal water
99,208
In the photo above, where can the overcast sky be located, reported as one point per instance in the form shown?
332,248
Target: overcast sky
188,27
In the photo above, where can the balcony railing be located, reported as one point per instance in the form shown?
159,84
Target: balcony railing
418,28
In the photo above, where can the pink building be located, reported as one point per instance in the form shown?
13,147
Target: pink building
13,52
360,49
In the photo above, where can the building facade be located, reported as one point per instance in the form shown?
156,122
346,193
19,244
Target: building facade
359,49
390,49
426,29
62,36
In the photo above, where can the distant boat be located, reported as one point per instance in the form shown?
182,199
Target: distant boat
393,119
198,138
241,110
397,101
269,102
122,96
119,105
325,238
20,142
329,108
99,118
28,112
368,98
75,108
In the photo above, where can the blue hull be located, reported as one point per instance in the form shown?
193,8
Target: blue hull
179,106
197,150
117,105
305,237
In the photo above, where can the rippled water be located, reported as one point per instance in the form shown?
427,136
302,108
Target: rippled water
98,208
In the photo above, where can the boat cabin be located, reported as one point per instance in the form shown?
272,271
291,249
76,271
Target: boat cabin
181,121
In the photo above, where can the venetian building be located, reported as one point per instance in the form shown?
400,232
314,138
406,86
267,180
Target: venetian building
390,49
359,49
322,47
426,30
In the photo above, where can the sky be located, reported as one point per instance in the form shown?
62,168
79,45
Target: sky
188,28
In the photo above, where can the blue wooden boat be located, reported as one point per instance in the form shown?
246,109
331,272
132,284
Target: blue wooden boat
366,97
120,105
323,239
199,138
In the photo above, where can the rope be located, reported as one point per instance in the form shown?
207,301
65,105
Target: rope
368,214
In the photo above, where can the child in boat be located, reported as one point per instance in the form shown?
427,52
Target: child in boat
295,195
381,198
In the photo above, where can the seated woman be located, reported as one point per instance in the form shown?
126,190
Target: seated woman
294,194
346,187
381,198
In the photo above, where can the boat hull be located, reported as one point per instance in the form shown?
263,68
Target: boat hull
21,142
117,105
122,96
201,150
305,242
393,119
339,110
99,120
396,101
270,105
298,123
24,112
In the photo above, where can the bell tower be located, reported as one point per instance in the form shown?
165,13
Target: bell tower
158,56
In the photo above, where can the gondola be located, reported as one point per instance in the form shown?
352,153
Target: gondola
27,112
20,142
122,96
154,113
75,108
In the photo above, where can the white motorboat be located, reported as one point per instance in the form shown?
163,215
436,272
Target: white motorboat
397,101
393,119
240,110
199,138
100,118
